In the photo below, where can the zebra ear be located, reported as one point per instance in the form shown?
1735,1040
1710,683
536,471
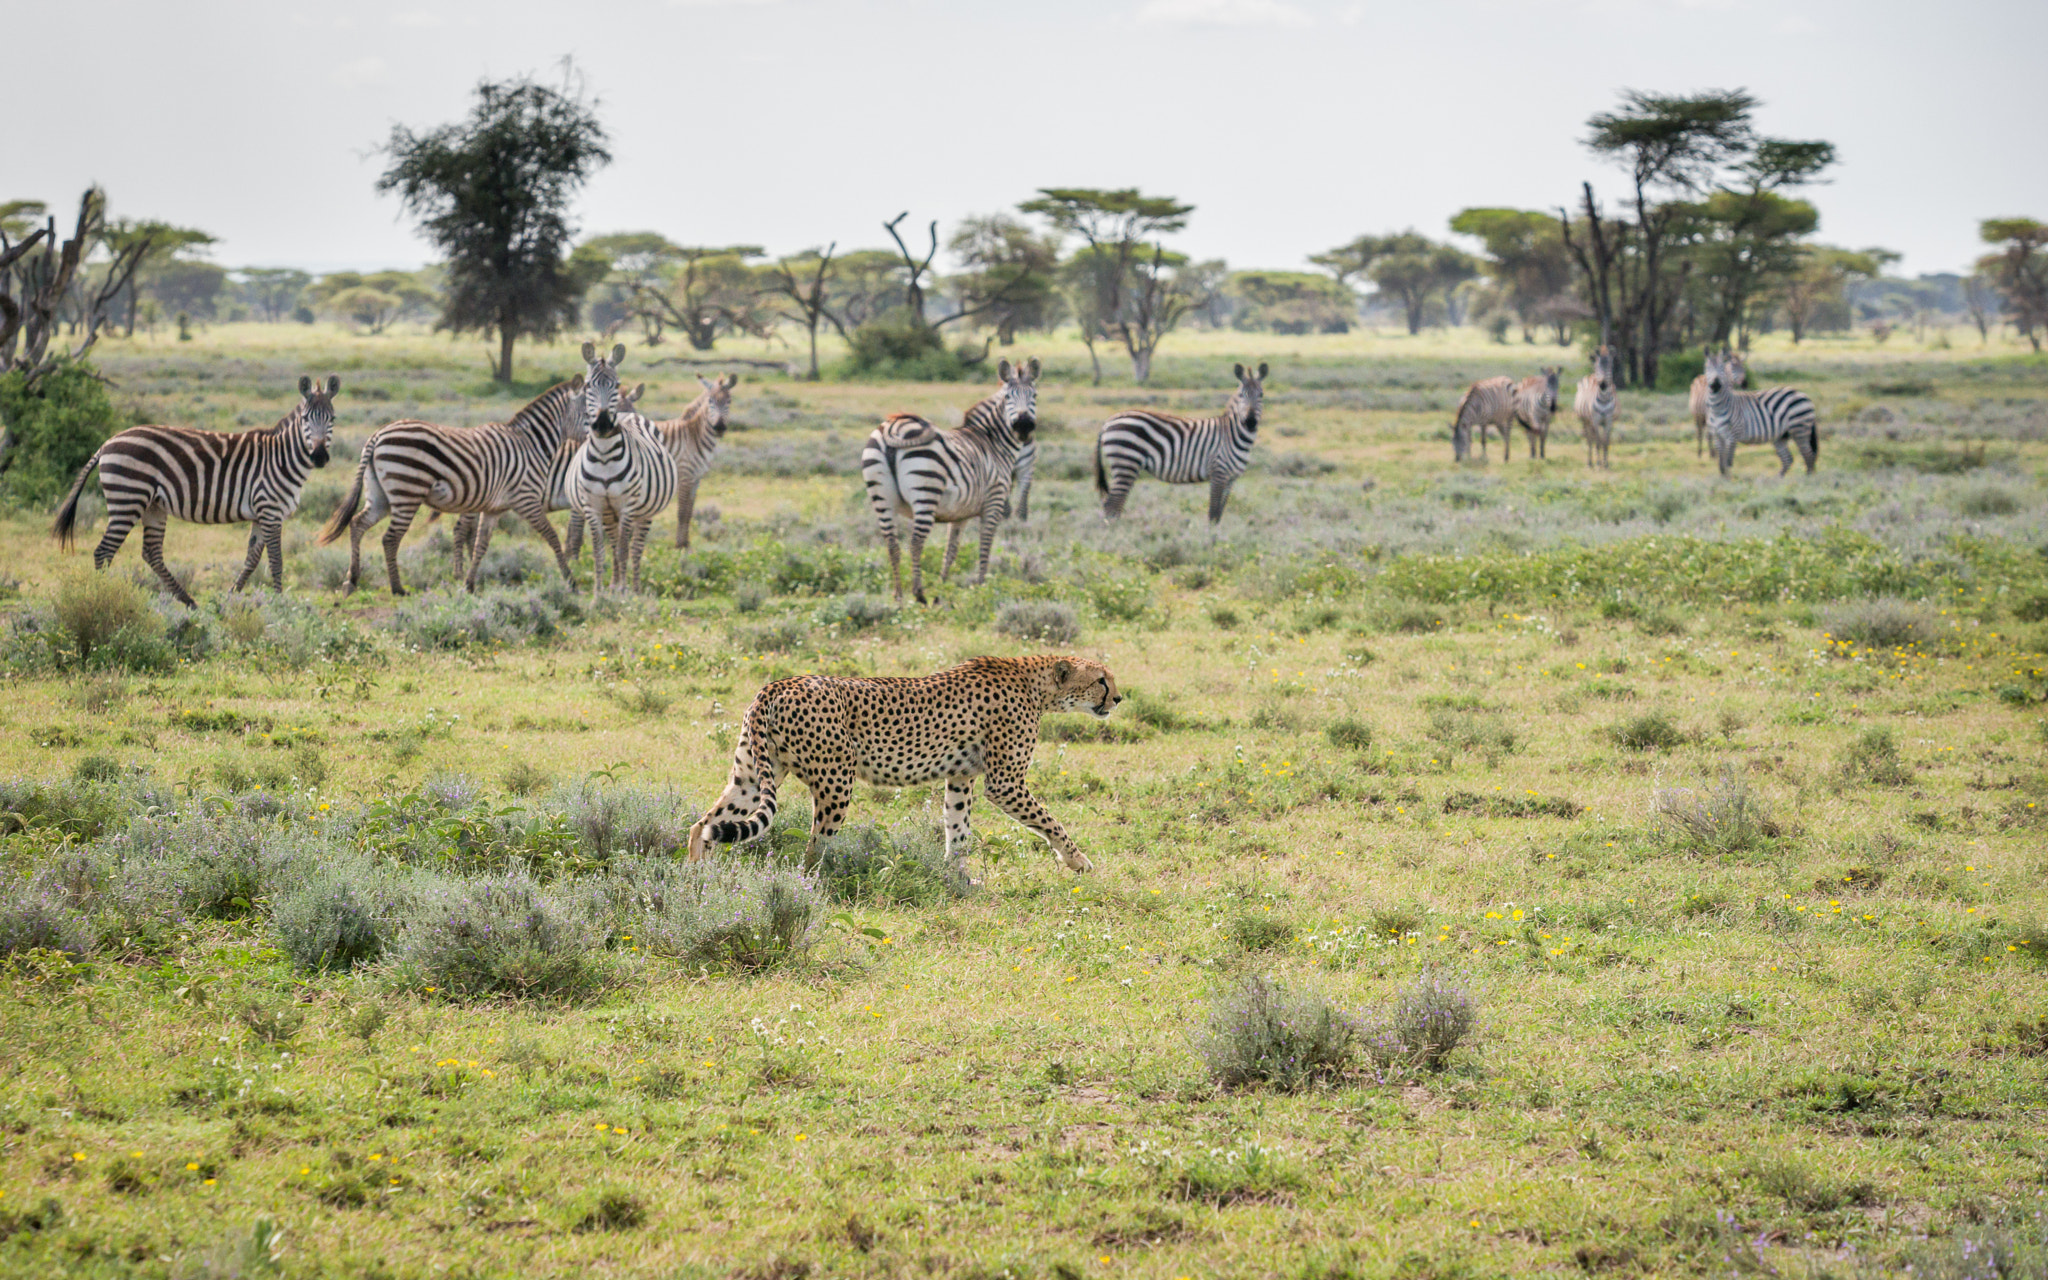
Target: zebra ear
729,381
576,383
333,383
1003,370
590,353
618,355
1238,369
634,396
305,385
1262,371
707,383
1032,365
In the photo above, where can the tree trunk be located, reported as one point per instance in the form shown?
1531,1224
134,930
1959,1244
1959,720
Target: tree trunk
1141,363
814,348
1088,341
1414,304
505,340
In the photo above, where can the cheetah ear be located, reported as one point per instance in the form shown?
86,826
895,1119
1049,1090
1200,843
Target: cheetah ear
1063,671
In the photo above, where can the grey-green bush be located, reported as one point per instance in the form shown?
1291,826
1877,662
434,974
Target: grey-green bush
42,921
906,866
344,913
1046,621
498,935
1260,1033
718,913
1882,623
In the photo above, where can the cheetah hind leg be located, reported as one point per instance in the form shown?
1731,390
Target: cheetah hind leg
959,834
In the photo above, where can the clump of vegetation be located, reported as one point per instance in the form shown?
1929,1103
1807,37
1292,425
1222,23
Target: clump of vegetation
1883,623
1873,758
525,778
343,914
1988,500
53,429
1350,733
857,612
1155,712
41,921
1650,731
1481,731
720,913
1259,931
907,866
496,936
768,637
1045,621
1429,1019
608,1209
102,612
489,619
1727,817
900,347
613,819
1260,1033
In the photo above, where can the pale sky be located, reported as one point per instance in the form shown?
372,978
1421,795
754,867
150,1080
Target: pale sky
1292,125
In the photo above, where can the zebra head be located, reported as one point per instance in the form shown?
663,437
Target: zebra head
1020,397
316,425
601,389
1550,377
718,401
1716,374
1603,368
1251,393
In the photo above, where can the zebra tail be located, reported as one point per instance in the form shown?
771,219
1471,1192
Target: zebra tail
67,515
353,503
1101,477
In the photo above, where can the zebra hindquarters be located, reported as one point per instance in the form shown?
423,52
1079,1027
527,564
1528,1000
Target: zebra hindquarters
883,496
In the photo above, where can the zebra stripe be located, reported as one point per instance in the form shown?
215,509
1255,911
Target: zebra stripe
487,470
206,477
1027,463
692,438
914,470
1594,403
1535,406
1738,374
1759,417
1490,402
1180,450
623,477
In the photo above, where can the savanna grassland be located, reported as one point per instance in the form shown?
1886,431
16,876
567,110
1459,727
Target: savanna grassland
349,936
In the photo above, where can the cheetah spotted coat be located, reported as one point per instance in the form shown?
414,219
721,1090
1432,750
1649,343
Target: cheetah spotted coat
980,717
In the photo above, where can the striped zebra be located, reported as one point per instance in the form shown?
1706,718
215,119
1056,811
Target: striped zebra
206,477
1759,417
1180,450
1738,373
487,470
622,477
691,439
1489,402
1535,406
1027,463
913,470
1594,403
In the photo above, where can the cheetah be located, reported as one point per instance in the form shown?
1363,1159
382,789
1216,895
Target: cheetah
980,717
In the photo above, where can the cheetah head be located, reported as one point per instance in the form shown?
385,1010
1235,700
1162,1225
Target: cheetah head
1081,685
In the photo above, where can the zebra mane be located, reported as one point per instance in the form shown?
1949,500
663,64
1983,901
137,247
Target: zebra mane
986,418
291,419
543,413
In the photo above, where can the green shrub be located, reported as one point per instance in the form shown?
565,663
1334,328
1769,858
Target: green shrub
896,348
614,820
1874,758
52,430
1988,500
32,921
83,809
1259,1033
1884,623
718,913
1350,733
856,612
489,619
1651,731
99,610
1430,1018
1259,931
343,914
768,637
1481,731
1728,817
497,936
1045,621
608,1208
906,866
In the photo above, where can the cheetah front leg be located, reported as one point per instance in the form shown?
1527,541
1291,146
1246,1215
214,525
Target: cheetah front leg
959,834
831,793
1006,791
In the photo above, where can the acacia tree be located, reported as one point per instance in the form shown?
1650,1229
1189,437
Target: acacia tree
1814,288
1405,266
1750,231
2019,270
712,292
273,291
1527,258
1008,281
492,193
1980,299
805,280
162,247
38,275
1140,292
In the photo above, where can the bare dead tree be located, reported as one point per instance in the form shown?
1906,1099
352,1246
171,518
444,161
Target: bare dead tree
917,269
36,279
809,296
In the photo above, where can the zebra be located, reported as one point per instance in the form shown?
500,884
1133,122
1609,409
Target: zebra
1594,403
622,477
1535,405
1180,450
914,470
487,470
1759,417
1027,462
206,477
1490,402
1738,373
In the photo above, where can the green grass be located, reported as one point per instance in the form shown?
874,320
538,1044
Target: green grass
1710,793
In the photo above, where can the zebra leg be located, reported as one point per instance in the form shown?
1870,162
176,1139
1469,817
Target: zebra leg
642,526
1784,452
572,537
615,529
686,502
273,534
376,506
486,527
1119,489
888,524
1809,448
598,547
153,555
920,529
119,522
992,516
394,533
1219,494
952,549
255,554
537,517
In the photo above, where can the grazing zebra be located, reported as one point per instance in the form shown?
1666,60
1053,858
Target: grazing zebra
622,477
914,470
207,477
487,470
1759,417
1594,403
1180,450
1535,405
1738,373
1490,402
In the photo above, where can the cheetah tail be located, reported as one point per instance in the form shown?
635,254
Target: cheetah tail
738,827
